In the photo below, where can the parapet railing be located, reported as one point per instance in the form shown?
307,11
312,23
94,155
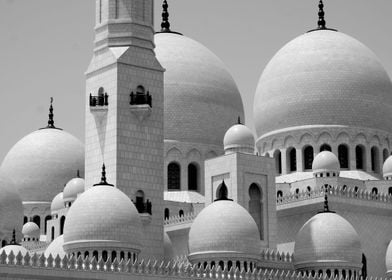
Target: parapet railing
178,220
336,191
145,269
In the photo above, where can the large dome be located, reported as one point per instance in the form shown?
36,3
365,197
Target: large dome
224,227
327,239
102,216
201,98
323,78
42,162
11,208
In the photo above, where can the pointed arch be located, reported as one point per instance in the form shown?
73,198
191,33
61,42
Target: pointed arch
278,161
255,206
291,155
360,157
343,156
375,159
308,156
193,176
173,176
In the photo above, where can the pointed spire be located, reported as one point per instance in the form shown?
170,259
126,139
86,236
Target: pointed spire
51,115
321,21
13,240
103,178
165,25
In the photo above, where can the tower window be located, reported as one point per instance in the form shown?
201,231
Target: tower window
308,157
192,177
325,147
141,97
343,156
173,176
292,156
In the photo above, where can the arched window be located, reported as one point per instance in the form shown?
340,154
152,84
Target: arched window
278,161
375,159
173,176
229,265
122,255
308,157
374,191
390,190
279,194
167,213
37,220
222,265
140,90
52,234
308,189
193,177
360,157
325,147
104,256
292,159
181,213
95,255
114,255
47,218
343,156
385,155
222,191
62,222
25,219
256,207
86,254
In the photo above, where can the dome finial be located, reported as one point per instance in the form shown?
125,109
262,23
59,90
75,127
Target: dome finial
165,25
321,21
103,177
51,115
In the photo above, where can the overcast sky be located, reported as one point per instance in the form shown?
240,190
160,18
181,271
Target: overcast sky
46,45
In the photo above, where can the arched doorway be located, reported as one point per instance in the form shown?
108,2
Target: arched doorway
256,207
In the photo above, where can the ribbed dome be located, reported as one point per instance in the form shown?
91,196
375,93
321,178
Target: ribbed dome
42,162
224,227
327,239
15,249
323,78
11,208
239,137
324,162
31,229
72,189
201,98
387,167
102,215
57,203
56,248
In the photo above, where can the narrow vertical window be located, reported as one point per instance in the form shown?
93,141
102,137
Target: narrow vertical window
173,176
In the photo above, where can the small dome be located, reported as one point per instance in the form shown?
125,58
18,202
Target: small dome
239,138
323,73
11,208
57,203
14,248
56,248
201,98
102,216
325,162
327,239
31,229
387,167
224,227
42,162
72,189
168,251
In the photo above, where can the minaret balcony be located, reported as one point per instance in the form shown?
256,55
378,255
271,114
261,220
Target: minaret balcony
141,103
99,103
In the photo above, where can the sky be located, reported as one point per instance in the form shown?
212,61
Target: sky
46,45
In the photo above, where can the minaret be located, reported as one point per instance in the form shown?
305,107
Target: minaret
124,111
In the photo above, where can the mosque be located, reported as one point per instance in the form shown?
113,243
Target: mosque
170,184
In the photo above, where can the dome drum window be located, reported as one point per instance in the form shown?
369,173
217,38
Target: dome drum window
100,100
141,103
